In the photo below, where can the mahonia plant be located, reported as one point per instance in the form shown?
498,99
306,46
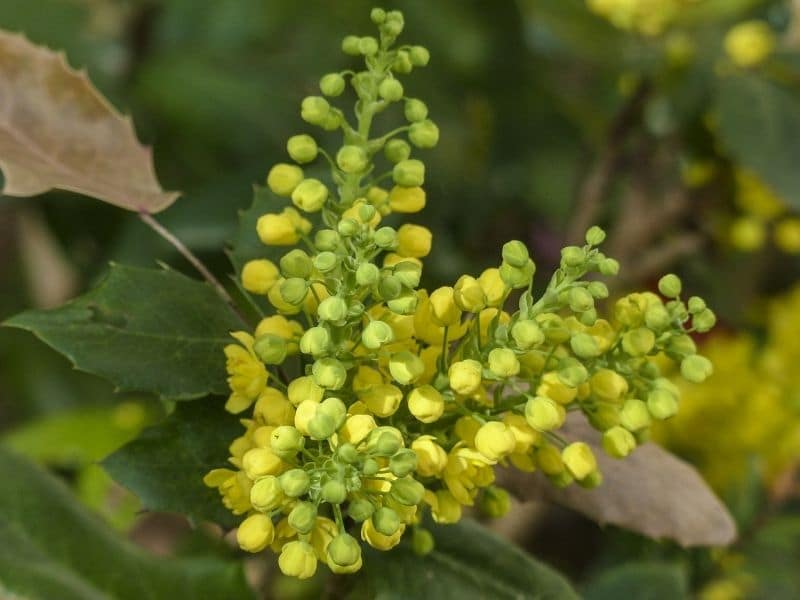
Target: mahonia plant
406,399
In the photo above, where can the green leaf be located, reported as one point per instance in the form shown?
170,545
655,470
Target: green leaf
759,124
772,557
144,330
165,465
643,581
52,548
468,562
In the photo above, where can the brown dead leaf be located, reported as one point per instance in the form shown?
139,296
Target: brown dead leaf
58,131
650,492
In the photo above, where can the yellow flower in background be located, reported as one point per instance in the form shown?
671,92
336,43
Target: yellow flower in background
247,375
748,44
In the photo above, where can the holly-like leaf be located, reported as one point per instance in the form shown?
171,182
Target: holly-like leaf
144,330
165,465
468,562
52,548
651,492
645,580
759,124
58,131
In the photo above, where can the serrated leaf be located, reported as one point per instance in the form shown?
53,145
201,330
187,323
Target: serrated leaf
52,548
468,562
651,492
759,125
642,581
144,330
165,465
58,131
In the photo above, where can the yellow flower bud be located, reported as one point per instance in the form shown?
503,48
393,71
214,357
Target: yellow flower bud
378,540
618,442
406,199
787,235
493,286
258,276
304,388
748,234
406,367
579,460
266,494
273,408
444,310
283,178
356,428
639,341
297,559
468,294
446,509
503,362
426,404
748,44
283,229
255,533
382,400
258,462
552,387
282,327
414,241
495,440
466,428
608,385
465,376
310,195
549,460
306,410
525,436
431,457
543,414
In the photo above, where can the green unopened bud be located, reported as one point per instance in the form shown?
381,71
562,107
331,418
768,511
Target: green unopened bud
422,542
517,277
350,45
503,362
332,84
370,467
302,148
310,195
329,373
424,134
352,159
415,110
572,373
270,349
618,442
286,438
634,415
704,320
295,482
302,517
348,453
608,266
543,414
390,287
376,334
419,56
639,341
409,173
696,368
406,367
670,285
604,416
527,334
344,550
367,274
348,227
386,521
334,492
367,45
366,212
335,409
314,109
662,404
294,290
387,444
360,510
403,462
296,263
408,273
316,341
266,494
407,491
494,502
595,236
402,63
397,150
321,426
696,304
657,317
572,256
333,308
584,345
377,15
681,345
598,290
325,262
404,304
385,237
553,327
515,253
588,317
390,90
580,299
326,239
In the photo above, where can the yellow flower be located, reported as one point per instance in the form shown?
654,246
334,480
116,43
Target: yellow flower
468,294
356,428
258,276
379,541
579,459
407,199
787,235
748,44
465,376
426,404
466,471
445,509
273,408
297,559
431,457
247,376
233,486
283,178
444,310
382,400
414,241
258,462
282,229
552,387
748,234
255,533
284,328
304,388
608,385
493,287
495,440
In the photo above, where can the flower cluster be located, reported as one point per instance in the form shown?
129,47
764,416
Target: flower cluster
405,400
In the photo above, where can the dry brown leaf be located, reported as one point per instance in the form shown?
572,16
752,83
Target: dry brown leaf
58,131
651,492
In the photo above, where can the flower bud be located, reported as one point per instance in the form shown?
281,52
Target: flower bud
579,460
258,462
406,199
266,494
515,253
286,438
258,276
390,287
325,262
495,440
376,334
444,310
403,462
638,342
595,236
397,150
543,414
503,362
571,373
704,320
367,45
316,342
465,376
494,502
696,368
356,428
662,404
526,334
377,16
422,542
670,286
404,304
321,426
618,442
293,290
407,491
656,317
424,134
634,415
333,308
749,43
580,300
370,467
296,263
385,237
598,290
468,294
572,256
406,367
360,510
326,239
310,195
255,533
390,90
382,400
302,148
696,304
350,45
549,460
344,550
386,521
584,345
426,404
608,385
409,173
332,84
407,273
304,388
302,517
334,492
352,159
329,373
367,274
297,559
430,457
517,277
414,240
314,110
415,110
419,56
608,266
270,349
283,179
294,482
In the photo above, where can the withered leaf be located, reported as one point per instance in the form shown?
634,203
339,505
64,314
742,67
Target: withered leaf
651,492
58,131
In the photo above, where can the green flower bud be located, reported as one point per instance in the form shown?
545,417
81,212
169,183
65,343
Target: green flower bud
326,239
302,517
588,317
377,15
390,287
515,253
386,521
376,334
266,494
360,510
681,345
302,148
402,63
390,90
415,110
704,320
314,110
404,304
334,492
344,550
366,212
656,317
295,482
527,334
333,308
696,368
494,502
332,84
329,373
584,345
286,438
394,18
325,261
408,273
608,266
296,263
634,415
348,453
592,480
397,150
516,277
543,414
670,285
639,341
270,349
407,491
403,462
352,159
335,409
662,404
422,542
572,256
406,367
603,416
387,444
370,467
294,290
572,373
409,173
367,274
385,237
598,290
595,236
348,227
321,426
424,134
368,45
503,362
553,327
419,56
350,45
310,195
316,341
618,442
580,299
696,304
